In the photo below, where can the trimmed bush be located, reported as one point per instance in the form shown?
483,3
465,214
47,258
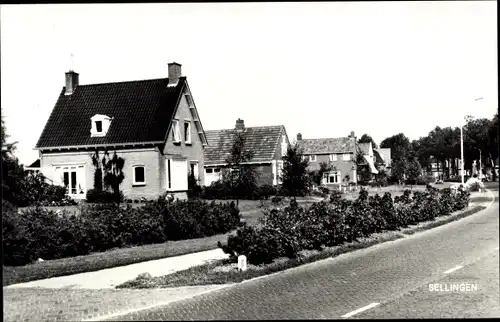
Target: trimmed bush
286,231
38,232
103,196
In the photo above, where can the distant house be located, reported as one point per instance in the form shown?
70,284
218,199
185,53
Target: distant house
152,124
33,168
269,144
340,153
383,160
370,157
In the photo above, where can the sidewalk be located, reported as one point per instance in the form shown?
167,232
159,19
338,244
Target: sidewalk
111,277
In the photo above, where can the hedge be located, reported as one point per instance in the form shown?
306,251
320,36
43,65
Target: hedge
286,231
41,233
222,190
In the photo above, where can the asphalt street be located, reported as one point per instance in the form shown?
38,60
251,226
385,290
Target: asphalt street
389,280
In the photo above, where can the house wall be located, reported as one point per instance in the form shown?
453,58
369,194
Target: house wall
265,172
281,150
148,157
193,151
345,167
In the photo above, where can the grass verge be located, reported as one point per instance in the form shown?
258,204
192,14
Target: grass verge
108,259
214,273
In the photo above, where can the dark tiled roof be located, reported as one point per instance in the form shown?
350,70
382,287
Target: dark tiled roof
35,164
141,112
378,157
263,140
324,146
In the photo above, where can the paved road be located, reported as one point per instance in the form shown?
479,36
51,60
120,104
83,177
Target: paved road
394,274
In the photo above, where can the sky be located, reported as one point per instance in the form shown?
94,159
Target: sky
322,69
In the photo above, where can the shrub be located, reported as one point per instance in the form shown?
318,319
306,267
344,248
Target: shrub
103,196
266,191
285,231
260,246
425,180
37,232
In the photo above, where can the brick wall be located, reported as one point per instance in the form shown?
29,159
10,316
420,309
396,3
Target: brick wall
345,167
193,151
148,157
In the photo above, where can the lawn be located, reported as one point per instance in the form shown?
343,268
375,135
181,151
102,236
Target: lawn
108,259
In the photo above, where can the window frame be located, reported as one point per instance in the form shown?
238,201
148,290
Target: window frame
333,157
344,157
312,158
134,179
187,132
176,135
97,123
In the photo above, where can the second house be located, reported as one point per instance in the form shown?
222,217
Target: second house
268,144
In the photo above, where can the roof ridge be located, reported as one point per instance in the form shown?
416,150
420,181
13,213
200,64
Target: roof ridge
342,137
247,127
127,82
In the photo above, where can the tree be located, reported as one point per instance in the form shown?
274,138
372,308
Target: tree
317,175
13,173
413,171
365,138
243,176
113,172
98,164
399,169
362,168
295,179
493,141
399,144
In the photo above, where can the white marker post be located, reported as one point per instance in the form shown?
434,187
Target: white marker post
242,263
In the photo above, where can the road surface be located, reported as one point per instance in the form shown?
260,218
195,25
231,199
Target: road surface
390,280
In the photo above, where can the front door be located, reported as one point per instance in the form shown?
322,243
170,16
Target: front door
176,175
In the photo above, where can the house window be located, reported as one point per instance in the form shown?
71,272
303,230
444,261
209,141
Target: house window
280,171
332,177
209,170
305,157
139,175
216,170
176,135
346,156
313,158
194,169
187,132
284,146
98,126
333,157
72,177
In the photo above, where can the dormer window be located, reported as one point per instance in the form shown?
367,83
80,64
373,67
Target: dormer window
99,125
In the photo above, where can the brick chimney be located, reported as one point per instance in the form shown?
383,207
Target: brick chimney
71,82
174,72
352,135
240,125
299,137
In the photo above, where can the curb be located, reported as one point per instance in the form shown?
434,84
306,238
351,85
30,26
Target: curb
403,236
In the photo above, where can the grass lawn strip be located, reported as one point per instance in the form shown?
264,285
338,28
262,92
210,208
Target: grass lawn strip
108,259
222,272
126,256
